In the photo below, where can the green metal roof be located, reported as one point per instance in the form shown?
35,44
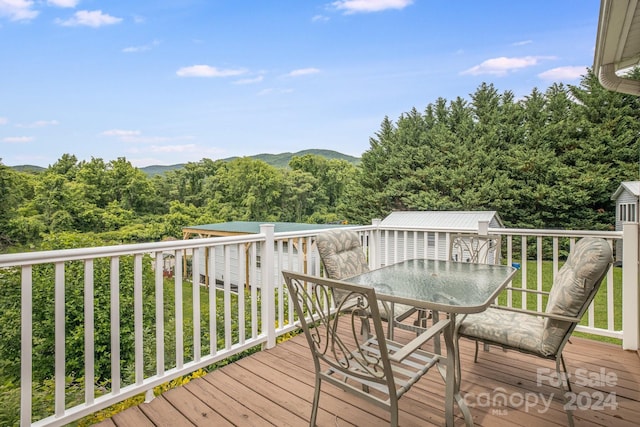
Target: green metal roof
253,227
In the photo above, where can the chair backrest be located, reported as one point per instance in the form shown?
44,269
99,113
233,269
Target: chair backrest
341,254
335,340
475,248
574,287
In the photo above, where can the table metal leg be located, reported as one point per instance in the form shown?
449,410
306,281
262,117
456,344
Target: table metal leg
453,376
450,376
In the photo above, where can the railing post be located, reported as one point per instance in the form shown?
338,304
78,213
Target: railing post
268,285
483,228
26,350
630,280
374,244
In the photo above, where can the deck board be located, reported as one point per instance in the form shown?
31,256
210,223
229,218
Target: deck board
275,388
231,408
161,412
132,416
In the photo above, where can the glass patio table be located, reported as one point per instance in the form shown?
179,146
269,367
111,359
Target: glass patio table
456,288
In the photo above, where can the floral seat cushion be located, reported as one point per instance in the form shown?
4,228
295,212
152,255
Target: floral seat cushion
516,330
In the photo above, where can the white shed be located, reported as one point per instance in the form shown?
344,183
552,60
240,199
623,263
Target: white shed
466,221
626,197
437,244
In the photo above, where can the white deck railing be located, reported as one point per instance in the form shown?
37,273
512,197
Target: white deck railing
534,249
258,315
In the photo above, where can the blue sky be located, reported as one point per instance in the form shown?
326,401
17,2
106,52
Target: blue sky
162,82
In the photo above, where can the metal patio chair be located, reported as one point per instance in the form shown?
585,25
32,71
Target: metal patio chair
544,334
369,366
475,248
342,257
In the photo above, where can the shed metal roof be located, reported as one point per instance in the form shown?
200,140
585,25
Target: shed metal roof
464,220
632,187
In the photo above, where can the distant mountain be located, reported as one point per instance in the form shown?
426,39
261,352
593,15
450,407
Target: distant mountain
28,168
282,160
277,160
160,169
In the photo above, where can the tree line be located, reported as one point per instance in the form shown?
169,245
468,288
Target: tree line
549,160
116,202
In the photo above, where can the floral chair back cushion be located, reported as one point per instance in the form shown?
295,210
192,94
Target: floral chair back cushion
573,285
341,253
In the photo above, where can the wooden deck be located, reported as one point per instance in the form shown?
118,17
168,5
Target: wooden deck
275,387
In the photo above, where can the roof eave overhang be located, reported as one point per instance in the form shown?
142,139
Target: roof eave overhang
617,18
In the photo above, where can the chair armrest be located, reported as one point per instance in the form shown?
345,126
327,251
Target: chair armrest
404,315
532,291
539,313
414,344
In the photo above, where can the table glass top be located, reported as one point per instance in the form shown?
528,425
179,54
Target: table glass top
440,285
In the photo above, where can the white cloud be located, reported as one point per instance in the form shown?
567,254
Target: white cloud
136,137
39,124
93,18
303,72
3,120
185,148
159,148
319,18
121,133
564,73
63,3
17,139
522,43
503,65
155,148
270,91
207,71
18,10
142,48
23,10
153,139
249,81
135,49
366,6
